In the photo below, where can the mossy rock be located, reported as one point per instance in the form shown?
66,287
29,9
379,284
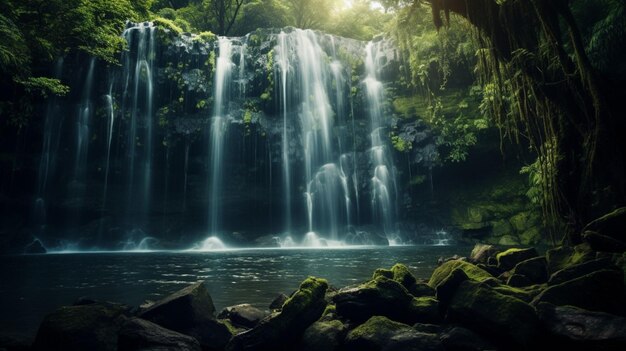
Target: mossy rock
385,297
598,291
323,335
562,257
534,269
507,240
612,224
300,311
481,253
399,273
501,227
511,257
531,236
506,319
381,333
472,271
579,270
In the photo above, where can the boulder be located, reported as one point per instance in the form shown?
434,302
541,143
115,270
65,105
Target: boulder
462,339
508,259
279,330
190,311
589,330
480,308
245,315
421,290
579,270
518,281
277,303
508,240
447,288
326,335
472,271
612,225
598,291
87,327
399,273
183,309
140,334
385,297
15,342
534,269
481,253
562,257
381,333
601,242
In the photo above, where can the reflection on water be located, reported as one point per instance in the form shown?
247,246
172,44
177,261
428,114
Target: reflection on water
35,285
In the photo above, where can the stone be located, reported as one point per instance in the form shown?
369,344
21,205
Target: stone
245,315
612,225
480,308
36,247
472,271
598,291
183,309
601,242
421,290
491,269
282,329
481,253
518,281
399,273
579,270
381,333
323,336
459,338
521,221
558,258
277,303
87,327
190,311
589,330
447,288
385,297
534,269
531,236
501,227
140,334
15,342
508,240
508,259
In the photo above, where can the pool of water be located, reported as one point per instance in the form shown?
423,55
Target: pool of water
34,285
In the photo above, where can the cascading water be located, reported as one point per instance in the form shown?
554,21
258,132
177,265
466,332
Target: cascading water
284,69
383,180
82,125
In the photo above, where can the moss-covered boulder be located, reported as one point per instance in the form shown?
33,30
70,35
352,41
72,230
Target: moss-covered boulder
421,290
605,243
598,291
611,225
508,259
381,333
472,271
581,269
323,335
399,273
580,329
86,327
534,269
482,252
504,318
459,338
282,329
140,334
385,297
244,315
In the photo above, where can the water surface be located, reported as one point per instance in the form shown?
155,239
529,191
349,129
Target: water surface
37,284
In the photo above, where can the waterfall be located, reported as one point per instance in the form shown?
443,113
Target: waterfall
85,109
383,179
111,122
284,69
223,73
139,89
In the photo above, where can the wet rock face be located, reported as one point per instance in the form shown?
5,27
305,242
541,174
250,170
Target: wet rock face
244,315
510,258
139,334
381,333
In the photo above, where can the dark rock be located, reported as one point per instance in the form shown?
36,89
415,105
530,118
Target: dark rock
508,259
140,334
482,309
385,297
421,290
36,247
190,312
612,225
381,333
589,330
323,336
447,288
518,281
578,270
15,342
399,273
462,339
534,269
245,315
183,309
472,271
598,291
601,242
522,294
427,328
87,327
558,258
277,303
491,269
482,252
280,330
83,300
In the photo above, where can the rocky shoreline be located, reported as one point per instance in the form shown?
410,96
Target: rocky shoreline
496,299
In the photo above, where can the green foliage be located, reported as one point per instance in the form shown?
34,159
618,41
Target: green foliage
262,14
167,24
45,86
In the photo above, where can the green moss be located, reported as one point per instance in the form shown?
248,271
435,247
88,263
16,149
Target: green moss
381,272
402,275
310,289
330,309
376,325
472,271
167,24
